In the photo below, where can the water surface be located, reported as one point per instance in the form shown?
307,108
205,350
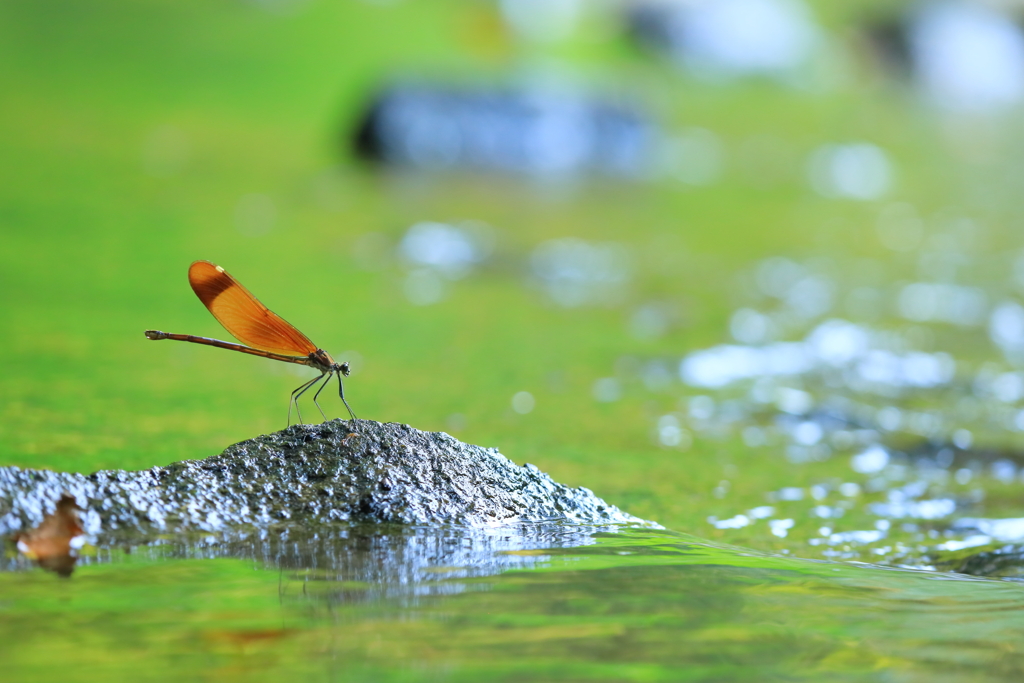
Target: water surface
545,603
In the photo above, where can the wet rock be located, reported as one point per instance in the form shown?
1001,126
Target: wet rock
348,471
429,126
1004,563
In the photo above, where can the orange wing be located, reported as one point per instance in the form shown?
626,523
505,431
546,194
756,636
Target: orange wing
242,314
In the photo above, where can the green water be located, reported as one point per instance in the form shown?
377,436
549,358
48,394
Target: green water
631,606
130,135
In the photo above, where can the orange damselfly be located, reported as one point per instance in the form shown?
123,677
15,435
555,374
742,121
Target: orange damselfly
261,331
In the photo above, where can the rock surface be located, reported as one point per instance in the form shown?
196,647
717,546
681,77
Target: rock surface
342,470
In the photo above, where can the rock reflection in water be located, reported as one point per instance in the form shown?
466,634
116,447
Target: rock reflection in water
353,563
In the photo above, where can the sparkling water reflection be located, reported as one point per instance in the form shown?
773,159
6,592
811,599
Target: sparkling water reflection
896,399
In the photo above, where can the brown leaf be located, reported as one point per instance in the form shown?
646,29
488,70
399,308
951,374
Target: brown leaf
50,543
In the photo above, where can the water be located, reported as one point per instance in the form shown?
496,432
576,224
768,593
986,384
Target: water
802,333
548,603
888,393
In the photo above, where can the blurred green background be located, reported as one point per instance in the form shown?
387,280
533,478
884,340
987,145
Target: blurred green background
131,133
